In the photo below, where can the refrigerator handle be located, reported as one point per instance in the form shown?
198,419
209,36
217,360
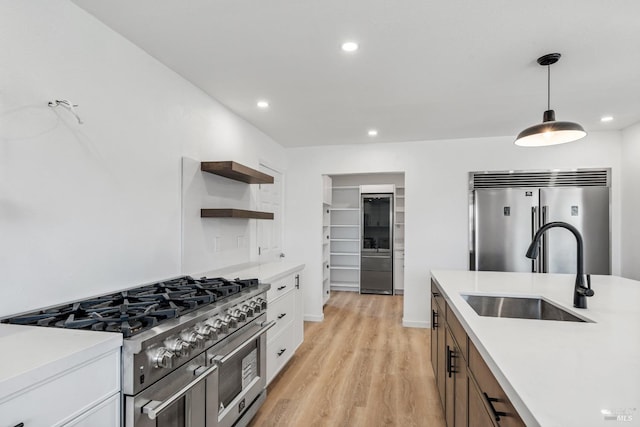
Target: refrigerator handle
534,229
545,242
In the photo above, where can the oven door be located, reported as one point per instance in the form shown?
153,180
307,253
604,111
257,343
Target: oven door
181,399
242,368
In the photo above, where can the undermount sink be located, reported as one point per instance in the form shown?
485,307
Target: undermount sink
519,308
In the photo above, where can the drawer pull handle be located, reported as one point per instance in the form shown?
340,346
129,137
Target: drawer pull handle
490,400
281,287
434,319
281,315
19,425
281,352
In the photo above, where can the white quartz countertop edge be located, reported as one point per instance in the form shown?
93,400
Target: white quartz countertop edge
266,272
41,353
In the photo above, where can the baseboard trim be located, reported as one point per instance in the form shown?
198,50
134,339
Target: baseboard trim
399,292
313,318
416,324
344,288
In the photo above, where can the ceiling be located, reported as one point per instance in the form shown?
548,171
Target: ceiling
424,70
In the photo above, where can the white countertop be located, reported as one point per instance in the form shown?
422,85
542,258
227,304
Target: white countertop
558,373
265,272
31,354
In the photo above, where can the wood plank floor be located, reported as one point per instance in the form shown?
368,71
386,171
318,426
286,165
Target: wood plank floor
359,367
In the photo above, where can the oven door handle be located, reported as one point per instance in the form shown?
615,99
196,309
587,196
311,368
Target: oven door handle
219,360
154,407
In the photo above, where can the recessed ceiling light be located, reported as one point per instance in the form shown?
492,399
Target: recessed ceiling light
606,118
372,132
262,104
349,46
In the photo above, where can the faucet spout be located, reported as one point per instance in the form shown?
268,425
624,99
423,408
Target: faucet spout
580,290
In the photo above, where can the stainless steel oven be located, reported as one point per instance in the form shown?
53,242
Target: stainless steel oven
221,387
181,399
241,374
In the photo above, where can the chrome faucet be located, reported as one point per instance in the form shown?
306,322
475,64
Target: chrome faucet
580,291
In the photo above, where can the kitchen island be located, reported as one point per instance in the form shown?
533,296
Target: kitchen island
556,373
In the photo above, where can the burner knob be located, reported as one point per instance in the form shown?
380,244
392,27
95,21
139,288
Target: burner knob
230,321
248,311
262,302
163,358
207,331
178,346
255,306
193,339
219,326
238,315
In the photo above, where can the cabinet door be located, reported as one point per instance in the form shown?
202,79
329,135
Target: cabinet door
434,336
442,357
449,382
494,397
460,388
455,384
478,414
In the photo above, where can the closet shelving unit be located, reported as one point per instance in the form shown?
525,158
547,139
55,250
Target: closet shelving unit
345,238
326,235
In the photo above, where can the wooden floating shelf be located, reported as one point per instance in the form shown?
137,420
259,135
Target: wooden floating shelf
234,213
236,171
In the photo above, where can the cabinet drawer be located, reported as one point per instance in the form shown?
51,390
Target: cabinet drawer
488,384
63,397
283,312
281,287
106,414
478,413
279,351
457,331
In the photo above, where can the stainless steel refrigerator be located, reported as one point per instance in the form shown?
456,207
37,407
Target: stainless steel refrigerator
504,220
376,253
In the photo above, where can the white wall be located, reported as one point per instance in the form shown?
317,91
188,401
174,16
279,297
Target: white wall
87,209
631,202
436,181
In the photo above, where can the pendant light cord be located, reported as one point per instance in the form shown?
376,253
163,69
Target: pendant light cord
548,87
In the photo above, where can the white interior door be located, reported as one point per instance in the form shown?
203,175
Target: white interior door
269,233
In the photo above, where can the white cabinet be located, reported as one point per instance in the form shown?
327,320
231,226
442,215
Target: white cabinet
326,234
284,306
345,239
79,388
106,414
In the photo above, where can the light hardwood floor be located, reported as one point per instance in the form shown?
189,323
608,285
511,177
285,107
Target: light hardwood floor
359,367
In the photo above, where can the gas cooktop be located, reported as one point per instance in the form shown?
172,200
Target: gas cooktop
138,309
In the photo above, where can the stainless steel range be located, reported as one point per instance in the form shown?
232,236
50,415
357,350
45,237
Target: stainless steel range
194,349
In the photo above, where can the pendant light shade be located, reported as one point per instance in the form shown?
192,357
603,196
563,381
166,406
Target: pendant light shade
550,131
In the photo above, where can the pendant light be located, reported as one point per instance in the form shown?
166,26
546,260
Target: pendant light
550,131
